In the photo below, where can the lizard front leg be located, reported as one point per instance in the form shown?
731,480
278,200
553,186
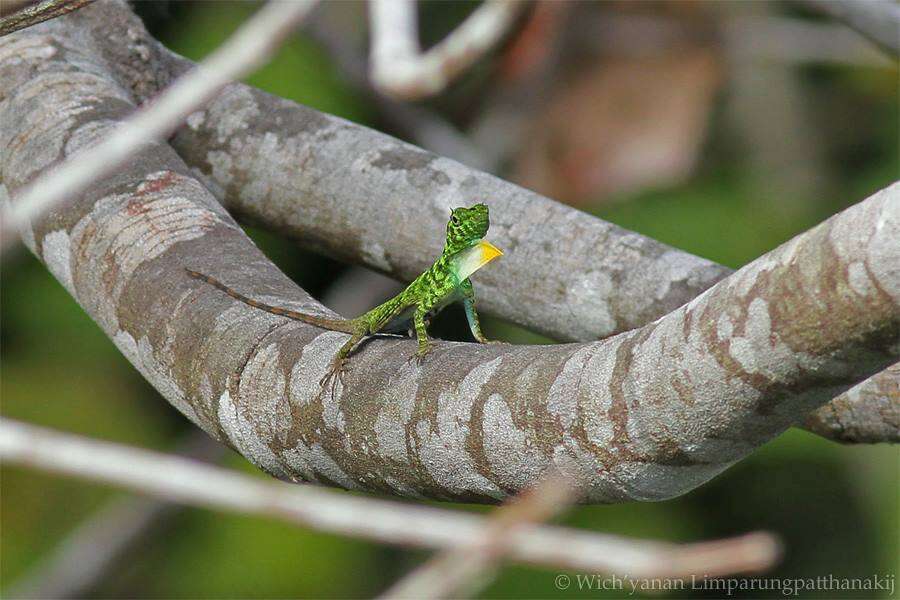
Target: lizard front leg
468,293
421,334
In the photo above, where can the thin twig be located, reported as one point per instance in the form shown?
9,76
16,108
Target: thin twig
399,69
462,571
180,480
87,554
250,47
423,126
877,20
37,13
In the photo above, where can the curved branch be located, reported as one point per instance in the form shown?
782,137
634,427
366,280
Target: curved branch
865,414
399,68
647,414
583,285
564,273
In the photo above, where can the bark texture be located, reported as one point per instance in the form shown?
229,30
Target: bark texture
867,413
644,415
566,274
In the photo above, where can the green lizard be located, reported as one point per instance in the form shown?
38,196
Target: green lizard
445,281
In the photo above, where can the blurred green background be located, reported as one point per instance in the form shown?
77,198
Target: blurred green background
835,507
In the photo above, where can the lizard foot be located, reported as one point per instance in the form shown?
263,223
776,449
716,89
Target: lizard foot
419,357
334,375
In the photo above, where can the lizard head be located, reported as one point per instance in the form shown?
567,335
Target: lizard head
465,230
466,227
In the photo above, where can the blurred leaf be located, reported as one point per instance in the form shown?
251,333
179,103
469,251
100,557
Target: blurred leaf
621,125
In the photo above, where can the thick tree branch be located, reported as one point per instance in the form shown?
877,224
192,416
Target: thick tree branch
185,481
572,285
867,413
647,414
565,273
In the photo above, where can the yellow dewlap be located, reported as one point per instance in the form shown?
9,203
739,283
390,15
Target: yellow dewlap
470,260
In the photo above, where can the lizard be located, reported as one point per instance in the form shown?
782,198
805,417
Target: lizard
445,281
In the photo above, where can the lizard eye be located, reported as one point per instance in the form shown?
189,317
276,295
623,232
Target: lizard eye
454,219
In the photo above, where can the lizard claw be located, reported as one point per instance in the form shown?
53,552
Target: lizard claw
334,375
419,357
484,340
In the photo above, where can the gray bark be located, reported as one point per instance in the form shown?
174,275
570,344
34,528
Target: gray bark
647,414
865,414
565,274
325,181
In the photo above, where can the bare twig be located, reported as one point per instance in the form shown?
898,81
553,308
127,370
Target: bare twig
878,20
250,47
91,550
37,13
185,481
460,571
399,69
88,553
425,127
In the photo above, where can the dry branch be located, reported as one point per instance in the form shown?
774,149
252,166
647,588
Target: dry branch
425,127
397,66
89,553
461,571
648,414
185,481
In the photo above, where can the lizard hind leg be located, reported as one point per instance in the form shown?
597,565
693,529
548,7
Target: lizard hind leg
338,364
421,335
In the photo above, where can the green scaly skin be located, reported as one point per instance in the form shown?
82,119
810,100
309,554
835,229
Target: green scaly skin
425,296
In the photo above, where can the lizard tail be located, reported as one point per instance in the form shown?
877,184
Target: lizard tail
342,325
